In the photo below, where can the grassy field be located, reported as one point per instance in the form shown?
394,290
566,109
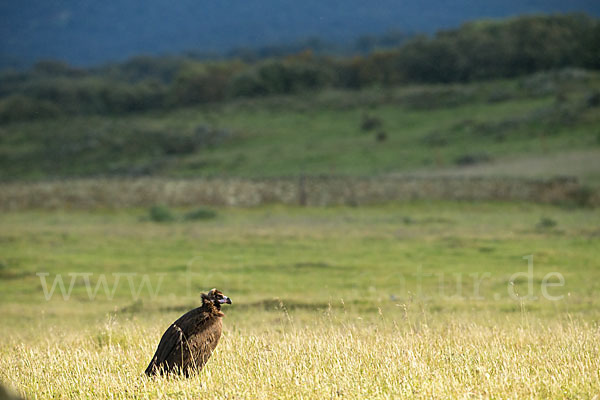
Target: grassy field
420,300
413,129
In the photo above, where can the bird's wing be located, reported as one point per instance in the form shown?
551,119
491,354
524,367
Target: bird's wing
207,334
176,333
204,340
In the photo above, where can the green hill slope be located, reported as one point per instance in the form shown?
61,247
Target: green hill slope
367,132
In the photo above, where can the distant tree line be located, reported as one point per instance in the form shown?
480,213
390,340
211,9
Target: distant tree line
476,51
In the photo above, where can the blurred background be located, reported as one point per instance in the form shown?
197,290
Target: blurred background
168,113
279,90
385,164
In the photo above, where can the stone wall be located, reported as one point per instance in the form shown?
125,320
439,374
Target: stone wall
308,191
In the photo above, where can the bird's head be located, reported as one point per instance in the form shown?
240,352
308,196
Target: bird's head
217,298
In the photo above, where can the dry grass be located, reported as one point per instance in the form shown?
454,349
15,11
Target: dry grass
326,358
288,334
584,164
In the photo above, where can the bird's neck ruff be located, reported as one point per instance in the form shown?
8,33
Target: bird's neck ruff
211,307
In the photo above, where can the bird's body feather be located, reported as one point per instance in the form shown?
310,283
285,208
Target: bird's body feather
189,342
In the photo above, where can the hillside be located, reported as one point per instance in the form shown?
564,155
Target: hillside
411,129
91,32
481,99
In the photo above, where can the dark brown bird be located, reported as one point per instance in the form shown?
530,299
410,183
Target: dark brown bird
188,343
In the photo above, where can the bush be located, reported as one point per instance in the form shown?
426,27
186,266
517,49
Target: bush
200,83
370,123
381,136
160,213
200,214
593,99
203,137
472,159
482,50
279,77
124,98
546,223
18,108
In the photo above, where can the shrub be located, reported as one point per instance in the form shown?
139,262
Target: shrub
247,84
471,159
200,214
199,83
593,99
279,77
381,136
546,223
160,213
18,107
370,123
203,137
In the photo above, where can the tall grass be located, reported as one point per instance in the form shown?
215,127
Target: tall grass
323,359
328,302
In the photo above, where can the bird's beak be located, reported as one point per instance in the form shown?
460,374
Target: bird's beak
225,300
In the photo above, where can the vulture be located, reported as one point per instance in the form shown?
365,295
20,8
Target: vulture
188,343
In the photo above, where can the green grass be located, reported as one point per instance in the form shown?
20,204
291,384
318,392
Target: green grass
340,301
412,300
309,257
428,128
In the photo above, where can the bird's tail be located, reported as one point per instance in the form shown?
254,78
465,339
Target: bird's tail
152,369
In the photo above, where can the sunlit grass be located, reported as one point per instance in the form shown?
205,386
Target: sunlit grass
324,358
338,302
